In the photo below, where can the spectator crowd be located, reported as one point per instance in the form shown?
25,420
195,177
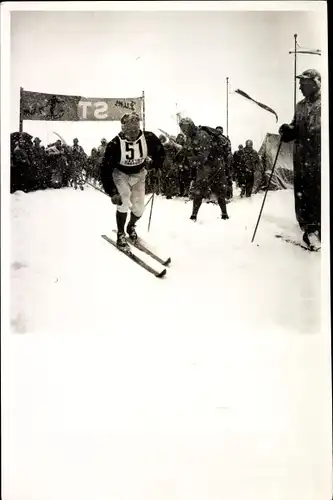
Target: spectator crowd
35,166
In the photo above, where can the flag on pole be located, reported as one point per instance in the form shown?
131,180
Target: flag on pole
315,52
263,106
303,50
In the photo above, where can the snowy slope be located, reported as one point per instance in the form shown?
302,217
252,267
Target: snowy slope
212,383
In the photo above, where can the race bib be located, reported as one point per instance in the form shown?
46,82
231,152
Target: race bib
133,153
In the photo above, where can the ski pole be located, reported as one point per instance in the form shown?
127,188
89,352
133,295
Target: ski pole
268,184
97,188
152,202
149,200
151,210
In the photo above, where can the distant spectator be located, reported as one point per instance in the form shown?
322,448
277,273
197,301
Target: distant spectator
228,164
183,167
39,163
21,166
94,166
249,163
78,163
237,165
102,148
170,175
56,163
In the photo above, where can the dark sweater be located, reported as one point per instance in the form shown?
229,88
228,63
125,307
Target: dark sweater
130,157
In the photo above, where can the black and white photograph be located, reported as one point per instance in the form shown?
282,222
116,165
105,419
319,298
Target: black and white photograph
165,275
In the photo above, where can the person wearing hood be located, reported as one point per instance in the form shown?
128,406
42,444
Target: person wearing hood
204,155
305,131
124,171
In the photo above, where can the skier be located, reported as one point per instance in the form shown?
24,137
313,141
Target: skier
305,130
206,153
124,170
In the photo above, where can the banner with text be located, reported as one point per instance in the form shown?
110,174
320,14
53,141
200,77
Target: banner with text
51,107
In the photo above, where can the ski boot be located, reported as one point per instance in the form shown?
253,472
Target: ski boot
312,241
225,216
122,243
132,232
194,218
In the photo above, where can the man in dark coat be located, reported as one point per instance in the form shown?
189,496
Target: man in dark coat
202,152
305,131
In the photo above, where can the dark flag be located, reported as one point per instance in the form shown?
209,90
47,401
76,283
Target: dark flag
263,106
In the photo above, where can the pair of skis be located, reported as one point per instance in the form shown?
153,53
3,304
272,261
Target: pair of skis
140,253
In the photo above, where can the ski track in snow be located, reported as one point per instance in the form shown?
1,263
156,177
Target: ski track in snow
209,383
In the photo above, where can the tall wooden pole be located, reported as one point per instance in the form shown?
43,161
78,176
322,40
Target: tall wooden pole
295,72
143,111
227,107
177,118
21,111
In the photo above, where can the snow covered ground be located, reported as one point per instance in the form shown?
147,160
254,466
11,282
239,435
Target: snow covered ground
66,279
212,383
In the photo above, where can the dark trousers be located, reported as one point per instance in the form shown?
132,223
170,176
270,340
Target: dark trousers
184,181
246,185
307,189
216,183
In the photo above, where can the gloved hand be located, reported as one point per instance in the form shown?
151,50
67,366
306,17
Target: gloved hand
116,199
149,162
287,132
